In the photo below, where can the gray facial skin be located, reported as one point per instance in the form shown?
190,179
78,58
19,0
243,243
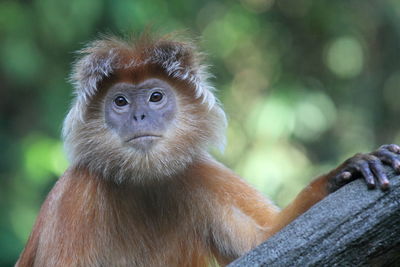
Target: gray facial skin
140,113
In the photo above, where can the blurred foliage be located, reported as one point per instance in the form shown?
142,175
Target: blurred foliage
305,84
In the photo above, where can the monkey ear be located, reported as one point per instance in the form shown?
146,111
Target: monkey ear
183,61
99,61
175,52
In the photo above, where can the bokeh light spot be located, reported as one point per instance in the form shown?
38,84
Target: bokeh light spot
344,57
44,158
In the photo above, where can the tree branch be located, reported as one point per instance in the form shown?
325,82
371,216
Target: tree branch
352,227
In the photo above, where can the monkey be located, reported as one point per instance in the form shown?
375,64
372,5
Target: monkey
142,188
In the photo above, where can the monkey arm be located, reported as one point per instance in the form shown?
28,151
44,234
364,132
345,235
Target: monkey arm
64,228
246,218
243,217
367,166
309,196
33,251
240,215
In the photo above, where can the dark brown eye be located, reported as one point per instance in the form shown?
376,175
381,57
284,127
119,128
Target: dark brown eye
120,101
156,97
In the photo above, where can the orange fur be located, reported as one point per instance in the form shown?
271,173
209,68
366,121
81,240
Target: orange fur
175,205
206,212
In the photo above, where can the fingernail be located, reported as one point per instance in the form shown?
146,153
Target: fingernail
371,186
385,186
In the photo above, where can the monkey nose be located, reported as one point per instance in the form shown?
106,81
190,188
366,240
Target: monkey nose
141,117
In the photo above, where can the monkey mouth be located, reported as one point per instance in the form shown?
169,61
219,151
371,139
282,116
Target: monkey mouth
144,137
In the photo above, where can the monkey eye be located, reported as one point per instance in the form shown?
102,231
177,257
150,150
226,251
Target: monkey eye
156,97
120,101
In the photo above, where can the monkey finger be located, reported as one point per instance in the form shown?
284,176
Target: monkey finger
392,147
342,178
396,165
345,175
377,168
389,158
367,174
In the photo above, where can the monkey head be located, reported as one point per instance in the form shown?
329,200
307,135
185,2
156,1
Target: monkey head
143,109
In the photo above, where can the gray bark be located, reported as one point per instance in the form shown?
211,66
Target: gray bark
352,227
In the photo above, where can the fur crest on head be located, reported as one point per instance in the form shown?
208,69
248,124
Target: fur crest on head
179,60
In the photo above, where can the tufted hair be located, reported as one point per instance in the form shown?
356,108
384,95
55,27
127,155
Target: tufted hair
201,121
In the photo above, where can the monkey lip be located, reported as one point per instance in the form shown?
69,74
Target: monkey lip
144,137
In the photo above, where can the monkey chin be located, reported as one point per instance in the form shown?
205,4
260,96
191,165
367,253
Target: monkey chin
143,142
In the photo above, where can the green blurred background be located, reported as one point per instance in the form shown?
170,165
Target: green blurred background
305,84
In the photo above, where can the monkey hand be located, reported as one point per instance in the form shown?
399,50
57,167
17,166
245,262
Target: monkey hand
369,166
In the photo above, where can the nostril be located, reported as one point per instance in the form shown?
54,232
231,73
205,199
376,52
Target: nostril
135,118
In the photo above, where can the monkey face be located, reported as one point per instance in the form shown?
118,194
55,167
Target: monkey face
140,114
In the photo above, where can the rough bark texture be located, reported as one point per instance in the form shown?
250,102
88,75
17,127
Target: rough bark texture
352,227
